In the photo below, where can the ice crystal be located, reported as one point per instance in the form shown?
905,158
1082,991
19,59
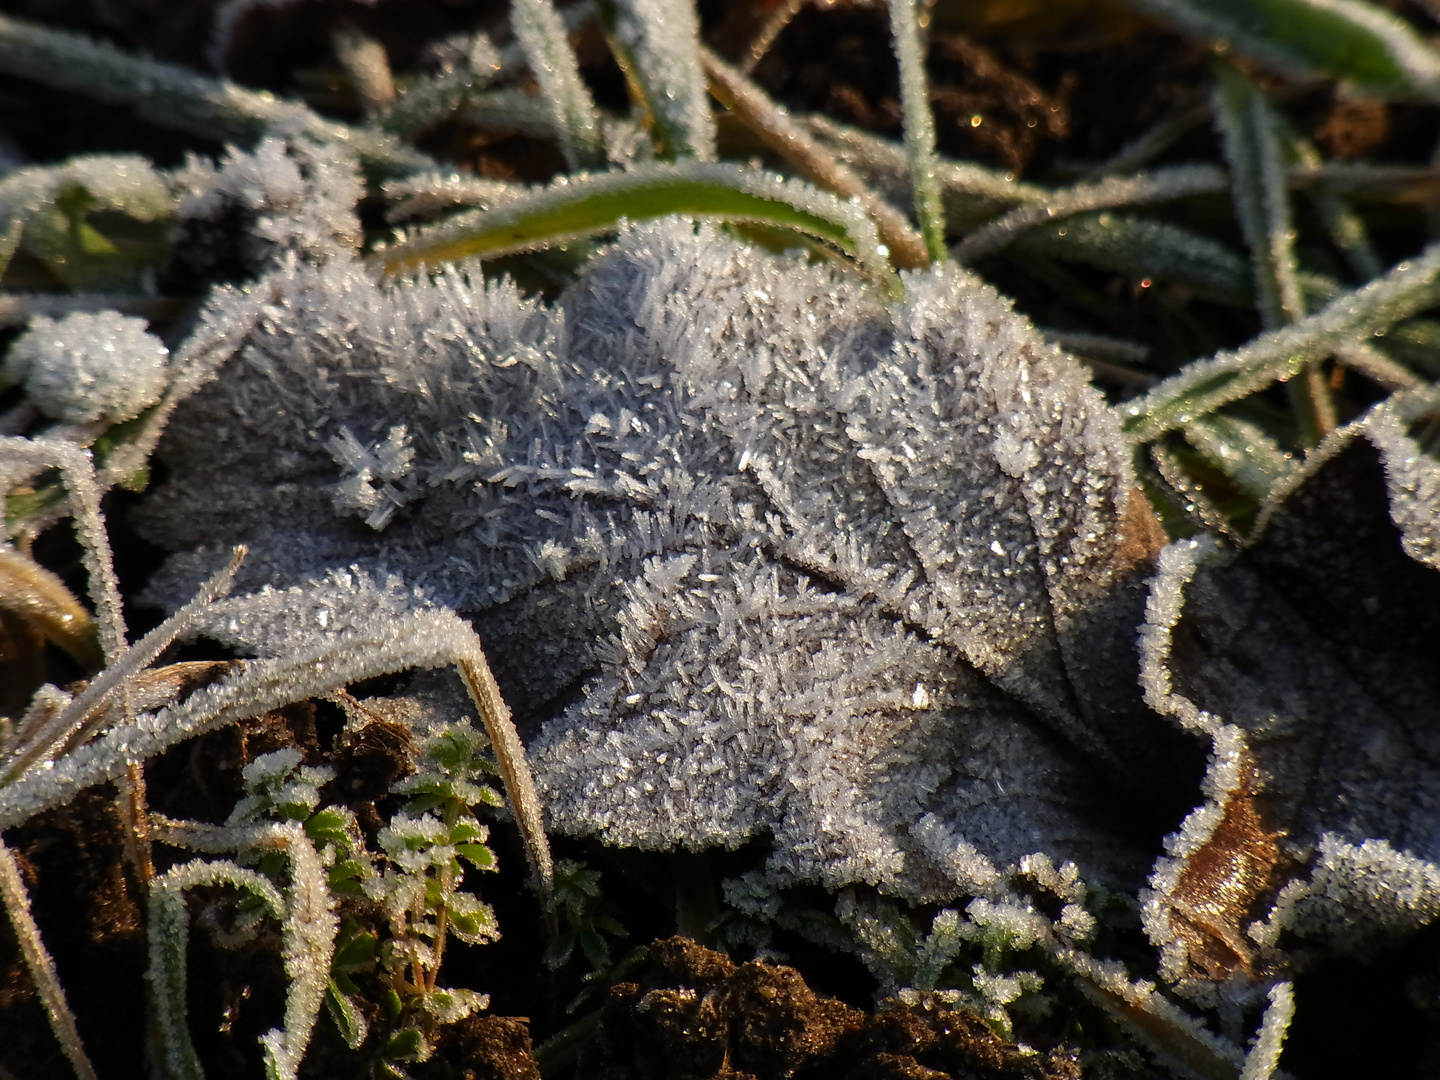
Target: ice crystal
287,195
88,367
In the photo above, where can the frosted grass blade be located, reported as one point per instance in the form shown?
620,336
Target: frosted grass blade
1264,1056
1206,385
919,127
542,35
1163,185
1252,135
973,194
40,965
1242,451
175,97
1347,230
1376,52
575,208
1144,247
753,107
659,45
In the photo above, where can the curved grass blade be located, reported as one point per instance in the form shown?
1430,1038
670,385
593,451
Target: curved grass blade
541,33
657,42
575,208
1374,51
1163,185
1146,248
919,127
1206,385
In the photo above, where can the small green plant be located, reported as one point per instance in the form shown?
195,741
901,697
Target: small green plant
405,900
425,848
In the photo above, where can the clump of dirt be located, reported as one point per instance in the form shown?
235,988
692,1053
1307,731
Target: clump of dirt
699,1016
483,1048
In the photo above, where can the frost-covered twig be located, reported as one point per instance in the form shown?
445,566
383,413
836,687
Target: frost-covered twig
420,639
80,716
770,32
1264,1056
40,965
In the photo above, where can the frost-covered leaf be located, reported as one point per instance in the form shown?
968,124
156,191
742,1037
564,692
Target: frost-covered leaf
287,196
1310,659
703,465
45,209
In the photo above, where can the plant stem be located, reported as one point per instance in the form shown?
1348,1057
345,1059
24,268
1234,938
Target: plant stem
919,127
40,965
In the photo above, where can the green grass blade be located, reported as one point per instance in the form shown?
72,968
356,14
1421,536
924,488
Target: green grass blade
1251,138
1242,451
658,44
1162,185
1255,146
919,127
1146,248
1206,385
1361,43
541,33
575,208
